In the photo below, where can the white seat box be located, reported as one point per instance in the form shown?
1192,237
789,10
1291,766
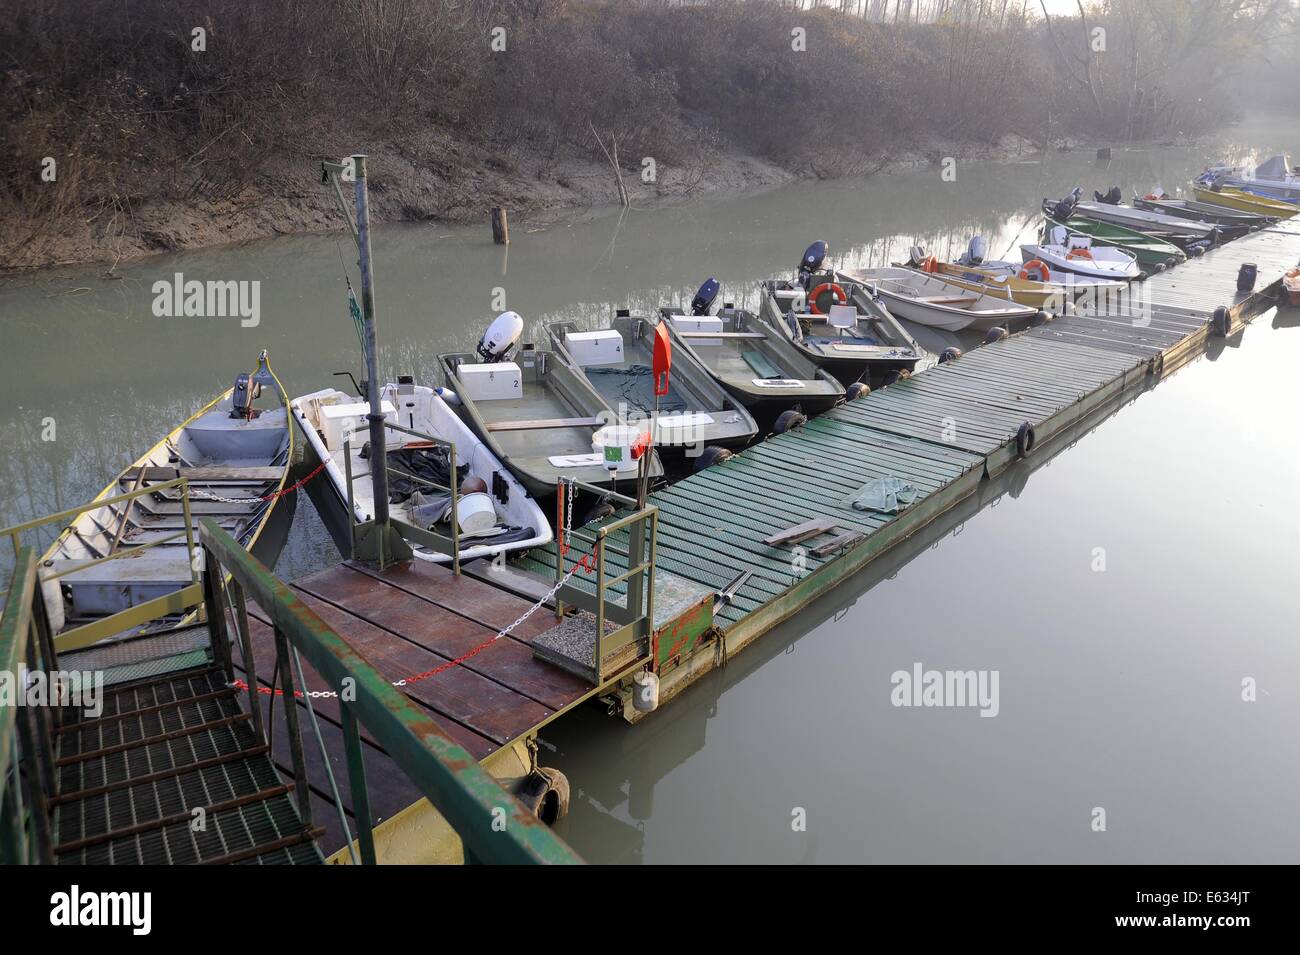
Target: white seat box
604,347
699,323
490,382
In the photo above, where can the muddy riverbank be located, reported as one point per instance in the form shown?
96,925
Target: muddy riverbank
459,188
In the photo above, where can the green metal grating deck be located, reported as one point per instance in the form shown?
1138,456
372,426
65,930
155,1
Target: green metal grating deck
171,772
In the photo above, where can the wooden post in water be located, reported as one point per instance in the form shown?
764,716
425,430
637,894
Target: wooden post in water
500,226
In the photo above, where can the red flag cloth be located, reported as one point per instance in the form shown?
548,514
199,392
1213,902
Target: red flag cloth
663,360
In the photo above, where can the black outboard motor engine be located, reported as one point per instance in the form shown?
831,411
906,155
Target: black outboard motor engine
705,297
241,397
1063,208
1112,197
812,260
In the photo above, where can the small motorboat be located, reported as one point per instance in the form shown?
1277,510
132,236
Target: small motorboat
495,513
1229,198
1010,281
1070,252
1182,232
618,361
235,459
1231,223
1275,178
539,417
1154,252
927,299
756,363
855,338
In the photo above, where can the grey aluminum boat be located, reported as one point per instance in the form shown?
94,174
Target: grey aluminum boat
540,419
753,361
1231,223
926,299
236,460
1148,222
618,362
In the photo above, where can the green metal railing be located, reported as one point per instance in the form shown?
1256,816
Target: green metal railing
26,769
440,543
492,825
635,615
179,600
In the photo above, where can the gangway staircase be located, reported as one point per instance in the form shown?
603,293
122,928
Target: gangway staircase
150,749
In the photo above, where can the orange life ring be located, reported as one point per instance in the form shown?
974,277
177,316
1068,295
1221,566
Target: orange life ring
1078,254
1036,270
930,264
824,287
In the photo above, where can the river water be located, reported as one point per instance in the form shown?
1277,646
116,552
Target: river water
1122,595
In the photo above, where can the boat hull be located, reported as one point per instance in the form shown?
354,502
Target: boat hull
1045,296
796,381
1151,254
237,469
532,464
707,414
928,299
424,411
847,358
1179,231
1231,224
1059,262
1245,202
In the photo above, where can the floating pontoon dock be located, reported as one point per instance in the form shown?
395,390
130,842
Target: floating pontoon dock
944,431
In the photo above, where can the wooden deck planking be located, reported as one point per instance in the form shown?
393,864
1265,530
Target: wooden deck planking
508,661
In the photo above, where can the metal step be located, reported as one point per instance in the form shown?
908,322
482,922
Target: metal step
172,772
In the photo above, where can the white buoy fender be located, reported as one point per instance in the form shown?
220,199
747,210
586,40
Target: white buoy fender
645,691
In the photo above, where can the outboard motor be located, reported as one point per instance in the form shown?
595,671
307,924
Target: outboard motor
1063,208
812,260
705,296
500,337
916,255
1059,235
977,251
1111,197
241,397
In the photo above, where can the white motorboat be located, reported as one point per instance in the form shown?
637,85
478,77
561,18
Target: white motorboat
1071,252
495,513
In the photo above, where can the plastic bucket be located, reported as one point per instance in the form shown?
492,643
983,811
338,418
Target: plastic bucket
615,442
476,513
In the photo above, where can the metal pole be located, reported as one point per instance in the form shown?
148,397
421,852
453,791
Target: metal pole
378,458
